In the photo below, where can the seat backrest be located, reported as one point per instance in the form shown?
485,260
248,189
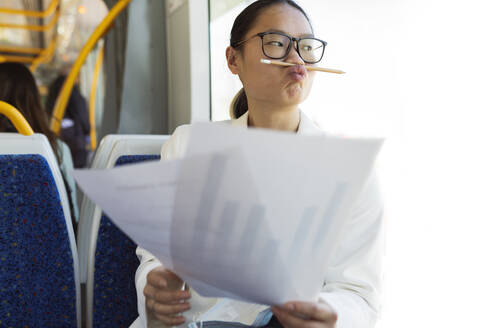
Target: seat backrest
39,274
111,260
108,152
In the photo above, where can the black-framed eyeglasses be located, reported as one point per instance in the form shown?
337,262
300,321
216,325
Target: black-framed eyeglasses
277,45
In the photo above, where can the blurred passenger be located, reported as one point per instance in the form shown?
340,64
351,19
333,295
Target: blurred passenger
75,126
18,88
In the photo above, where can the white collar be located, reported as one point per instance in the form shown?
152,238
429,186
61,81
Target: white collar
306,125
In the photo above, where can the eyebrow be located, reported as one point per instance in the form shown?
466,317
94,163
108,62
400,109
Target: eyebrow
308,35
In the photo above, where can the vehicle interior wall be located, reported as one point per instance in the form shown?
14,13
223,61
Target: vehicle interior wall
144,99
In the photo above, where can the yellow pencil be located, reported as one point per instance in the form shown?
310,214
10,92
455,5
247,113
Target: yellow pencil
309,68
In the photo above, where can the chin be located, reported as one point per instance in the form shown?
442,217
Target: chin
295,96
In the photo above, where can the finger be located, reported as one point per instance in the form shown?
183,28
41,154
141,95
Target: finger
171,320
149,304
166,309
172,276
173,281
316,311
157,278
289,320
149,291
164,296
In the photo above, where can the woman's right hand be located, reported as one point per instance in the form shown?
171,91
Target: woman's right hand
164,298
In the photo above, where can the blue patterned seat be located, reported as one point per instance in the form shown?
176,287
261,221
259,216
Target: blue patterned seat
39,285
115,298
108,259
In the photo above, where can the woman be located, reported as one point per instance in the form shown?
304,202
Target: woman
18,88
270,99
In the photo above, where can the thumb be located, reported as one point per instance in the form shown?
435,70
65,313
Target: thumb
173,280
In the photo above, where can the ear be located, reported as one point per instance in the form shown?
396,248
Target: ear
232,56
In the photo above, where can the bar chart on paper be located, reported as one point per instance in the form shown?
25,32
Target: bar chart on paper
238,241
242,218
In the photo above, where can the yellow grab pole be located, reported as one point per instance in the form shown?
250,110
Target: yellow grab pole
21,50
92,101
16,59
39,28
62,100
16,118
45,56
40,14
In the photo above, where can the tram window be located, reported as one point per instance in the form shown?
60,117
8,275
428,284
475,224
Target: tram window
224,85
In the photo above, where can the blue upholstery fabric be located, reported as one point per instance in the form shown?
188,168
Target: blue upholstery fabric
37,285
115,298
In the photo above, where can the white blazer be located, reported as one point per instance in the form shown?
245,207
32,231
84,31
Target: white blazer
353,281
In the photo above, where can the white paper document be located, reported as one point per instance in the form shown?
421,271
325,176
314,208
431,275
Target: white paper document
247,214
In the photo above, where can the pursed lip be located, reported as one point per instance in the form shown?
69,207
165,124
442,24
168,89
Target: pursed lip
298,72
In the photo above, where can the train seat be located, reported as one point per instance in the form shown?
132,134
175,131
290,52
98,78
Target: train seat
108,260
39,273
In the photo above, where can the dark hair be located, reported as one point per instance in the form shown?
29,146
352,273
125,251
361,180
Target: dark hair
19,89
242,24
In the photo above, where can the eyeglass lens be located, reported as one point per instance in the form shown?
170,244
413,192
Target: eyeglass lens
276,46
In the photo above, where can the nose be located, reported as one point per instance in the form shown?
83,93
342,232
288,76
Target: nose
293,56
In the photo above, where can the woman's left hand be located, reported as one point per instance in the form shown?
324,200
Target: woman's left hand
306,314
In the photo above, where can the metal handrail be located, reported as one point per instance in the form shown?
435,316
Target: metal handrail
15,116
16,59
21,50
66,90
46,55
40,14
38,28
92,99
